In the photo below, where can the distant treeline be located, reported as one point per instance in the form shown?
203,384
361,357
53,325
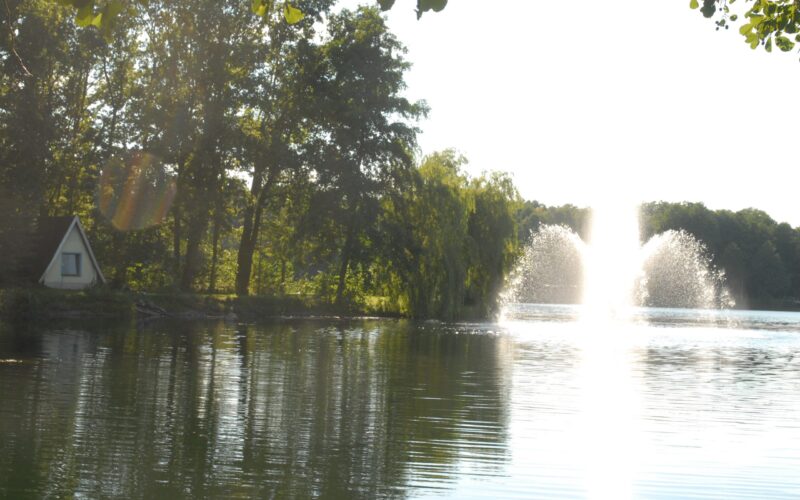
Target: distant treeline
760,257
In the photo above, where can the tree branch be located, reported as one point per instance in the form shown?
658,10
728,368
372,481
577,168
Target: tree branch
13,48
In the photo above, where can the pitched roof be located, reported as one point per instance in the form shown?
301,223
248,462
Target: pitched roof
50,232
50,235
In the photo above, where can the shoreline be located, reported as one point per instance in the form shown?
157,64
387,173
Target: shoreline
36,304
23,305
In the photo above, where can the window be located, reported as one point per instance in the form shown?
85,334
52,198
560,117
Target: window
70,264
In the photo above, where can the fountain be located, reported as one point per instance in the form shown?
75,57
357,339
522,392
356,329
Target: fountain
550,270
614,272
677,272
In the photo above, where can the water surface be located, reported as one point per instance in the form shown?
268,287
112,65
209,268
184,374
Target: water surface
666,404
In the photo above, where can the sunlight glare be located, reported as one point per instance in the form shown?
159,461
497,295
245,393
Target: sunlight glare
609,430
612,258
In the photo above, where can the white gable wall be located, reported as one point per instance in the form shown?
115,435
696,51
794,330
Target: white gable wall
72,244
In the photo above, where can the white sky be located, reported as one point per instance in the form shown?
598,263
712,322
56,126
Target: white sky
581,101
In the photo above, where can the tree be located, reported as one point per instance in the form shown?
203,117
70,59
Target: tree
105,14
435,274
46,127
448,241
367,121
787,244
530,215
768,276
280,97
733,261
760,257
764,22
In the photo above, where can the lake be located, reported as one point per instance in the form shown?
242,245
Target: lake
545,404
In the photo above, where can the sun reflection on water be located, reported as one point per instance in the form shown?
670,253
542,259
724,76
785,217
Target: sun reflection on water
609,408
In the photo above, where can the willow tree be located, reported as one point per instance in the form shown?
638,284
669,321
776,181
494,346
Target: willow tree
425,226
493,239
449,240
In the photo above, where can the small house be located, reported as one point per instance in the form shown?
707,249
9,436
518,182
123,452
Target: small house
64,255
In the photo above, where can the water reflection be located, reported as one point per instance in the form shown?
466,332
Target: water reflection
298,410
669,406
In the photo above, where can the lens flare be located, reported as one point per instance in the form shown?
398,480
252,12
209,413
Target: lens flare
135,193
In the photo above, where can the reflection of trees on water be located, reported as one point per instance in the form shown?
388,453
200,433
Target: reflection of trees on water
298,409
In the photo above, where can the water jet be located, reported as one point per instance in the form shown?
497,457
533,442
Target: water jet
613,271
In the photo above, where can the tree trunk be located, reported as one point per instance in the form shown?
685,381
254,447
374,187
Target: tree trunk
244,258
283,276
176,243
193,258
121,264
252,226
346,251
212,279
259,274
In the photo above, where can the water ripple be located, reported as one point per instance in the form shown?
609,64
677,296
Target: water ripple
671,404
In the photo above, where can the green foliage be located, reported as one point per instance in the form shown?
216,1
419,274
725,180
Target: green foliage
291,14
290,153
450,240
104,14
761,258
531,214
493,240
734,262
765,22
428,5
768,274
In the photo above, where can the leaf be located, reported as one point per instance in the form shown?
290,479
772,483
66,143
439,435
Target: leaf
694,4
768,45
745,28
426,5
438,5
260,7
84,16
784,43
709,8
97,22
386,4
291,14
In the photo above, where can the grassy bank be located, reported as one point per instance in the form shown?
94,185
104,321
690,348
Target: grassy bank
32,304
35,303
